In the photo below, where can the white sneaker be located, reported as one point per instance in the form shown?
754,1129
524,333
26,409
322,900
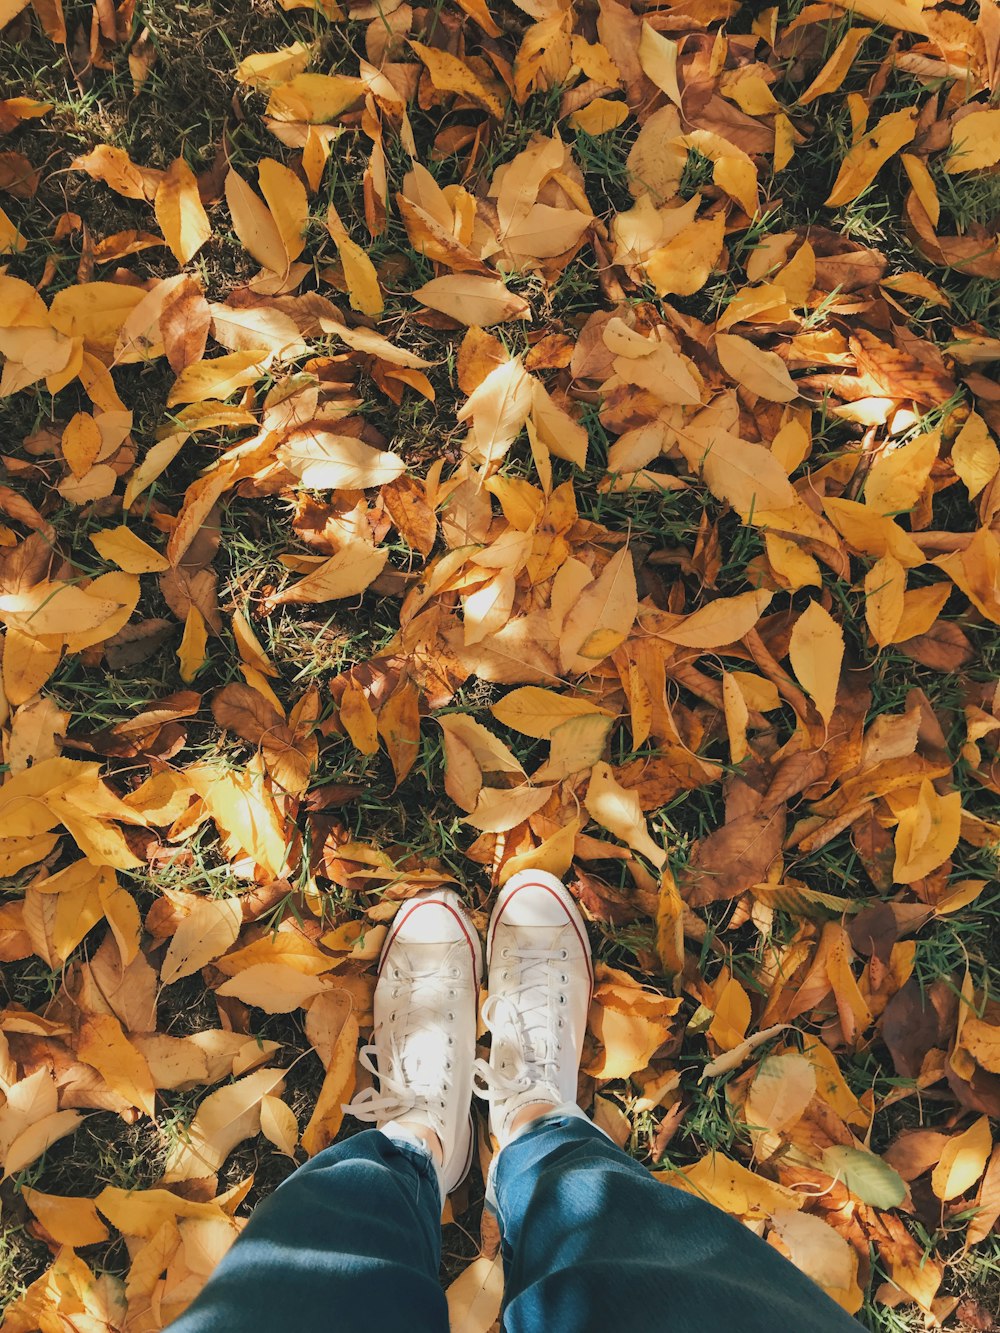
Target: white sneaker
424,1040
540,983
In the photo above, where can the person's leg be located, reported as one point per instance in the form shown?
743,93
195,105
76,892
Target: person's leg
589,1234
352,1240
349,1240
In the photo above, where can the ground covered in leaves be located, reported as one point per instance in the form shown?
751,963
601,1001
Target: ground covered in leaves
443,441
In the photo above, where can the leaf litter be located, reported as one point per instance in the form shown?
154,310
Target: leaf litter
592,454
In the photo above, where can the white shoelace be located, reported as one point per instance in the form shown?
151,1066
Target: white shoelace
538,1043
405,1084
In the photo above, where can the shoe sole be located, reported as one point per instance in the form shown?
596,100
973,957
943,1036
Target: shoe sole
564,897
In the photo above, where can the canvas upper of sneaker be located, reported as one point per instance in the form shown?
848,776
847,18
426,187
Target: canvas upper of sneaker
540,984
424,1037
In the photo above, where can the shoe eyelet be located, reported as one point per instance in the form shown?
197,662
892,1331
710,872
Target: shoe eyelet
564,954
562,999
451,1018
451,1041
504,953
392,1016
455,973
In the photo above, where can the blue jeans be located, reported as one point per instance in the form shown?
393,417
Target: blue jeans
591,1242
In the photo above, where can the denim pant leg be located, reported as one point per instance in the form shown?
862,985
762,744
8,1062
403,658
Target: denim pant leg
592,1242
351,1241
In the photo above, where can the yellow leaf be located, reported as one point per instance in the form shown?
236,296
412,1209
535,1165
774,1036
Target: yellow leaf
206,932
553,854
323,461
180,212
870,153
491,755
274,67
732,1014
314,98
752,94
599,116
897,477
576,745
885,598
819,1252
737,716
974,455
906,15
745,474
871,533
763,373
256,227
224,1119
538,712
473,300
29,1145
81,443
451,75
816,652
338,1085
359,271
11,240
500,809
670,924
358,720
68,1220
781,1090
286,198
399,727
732,1187
682,266
833,73
251,649
277,988
963,1160
474,1297
57,609
602,617
618,810
629,1022
722,621
658,60
103,1044
278,1124
927,833
191,653
120,546
95,312
497,410
919,175
345,574
975,142
218,378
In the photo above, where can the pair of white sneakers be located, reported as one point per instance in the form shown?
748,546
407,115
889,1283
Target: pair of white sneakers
423,1050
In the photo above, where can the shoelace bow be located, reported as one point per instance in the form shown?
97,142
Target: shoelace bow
403,1089
537,1041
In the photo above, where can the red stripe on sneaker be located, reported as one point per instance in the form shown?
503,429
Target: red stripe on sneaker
534,884
403,916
